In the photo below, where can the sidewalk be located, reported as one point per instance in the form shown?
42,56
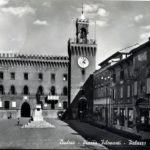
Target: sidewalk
111,140
114,130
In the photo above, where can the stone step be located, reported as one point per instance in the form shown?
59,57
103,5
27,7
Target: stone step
38,124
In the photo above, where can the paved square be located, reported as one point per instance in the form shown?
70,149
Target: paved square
61,137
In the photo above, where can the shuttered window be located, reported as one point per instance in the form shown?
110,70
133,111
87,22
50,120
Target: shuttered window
148,86
128,91
135,88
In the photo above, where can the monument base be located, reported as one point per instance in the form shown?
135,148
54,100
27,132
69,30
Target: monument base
37,116
38,121
38,124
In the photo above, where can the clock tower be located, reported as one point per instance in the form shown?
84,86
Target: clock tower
82,53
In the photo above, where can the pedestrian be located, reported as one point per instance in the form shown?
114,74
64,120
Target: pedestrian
31,119
10,115
18,121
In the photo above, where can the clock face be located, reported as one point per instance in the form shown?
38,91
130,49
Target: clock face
83,62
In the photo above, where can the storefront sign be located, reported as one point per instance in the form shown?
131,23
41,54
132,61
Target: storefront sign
51,97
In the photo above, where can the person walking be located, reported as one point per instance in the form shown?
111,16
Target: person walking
18,121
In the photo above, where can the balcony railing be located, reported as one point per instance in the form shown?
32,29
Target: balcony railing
89,41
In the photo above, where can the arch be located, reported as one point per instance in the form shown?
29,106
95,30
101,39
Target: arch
1,89
82,107
25,110
53,91
25,90
65,91
40,90
12,90
83,33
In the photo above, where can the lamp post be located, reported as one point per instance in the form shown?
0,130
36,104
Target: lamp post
106,106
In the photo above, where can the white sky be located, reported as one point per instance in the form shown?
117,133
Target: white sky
44,26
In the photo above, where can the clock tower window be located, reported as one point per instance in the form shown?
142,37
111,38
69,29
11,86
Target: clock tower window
83,72
82,25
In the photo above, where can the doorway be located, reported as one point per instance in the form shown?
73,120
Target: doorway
25,110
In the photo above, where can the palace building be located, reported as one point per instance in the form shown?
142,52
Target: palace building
57,79
23,76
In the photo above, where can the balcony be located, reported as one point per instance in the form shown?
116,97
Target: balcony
89,41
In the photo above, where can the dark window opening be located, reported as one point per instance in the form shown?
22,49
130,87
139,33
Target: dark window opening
113,94
114,78
6,104
25,76
52,77
83,33
12,90
65,91
1,76
52,105
53,90
1,89
83,72
12,76
40,76
121,75
25,90
40,90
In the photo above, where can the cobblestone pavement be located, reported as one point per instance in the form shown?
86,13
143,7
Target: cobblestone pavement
112,141
15,137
